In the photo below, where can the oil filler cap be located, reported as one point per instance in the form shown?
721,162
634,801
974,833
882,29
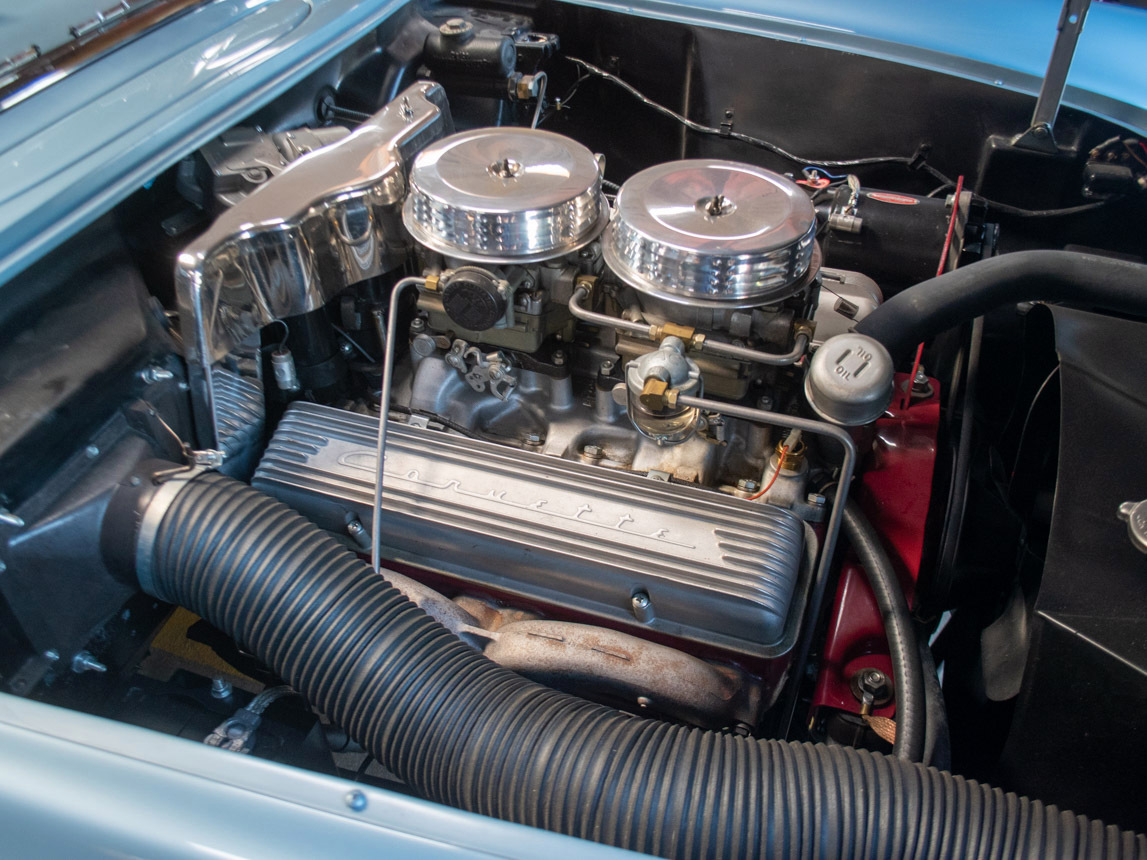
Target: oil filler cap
850,380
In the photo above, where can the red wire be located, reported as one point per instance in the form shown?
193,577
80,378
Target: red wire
776,473
951,226
939,271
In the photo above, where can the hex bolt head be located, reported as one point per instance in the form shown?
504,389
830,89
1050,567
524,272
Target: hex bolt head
358,534
642,607
873,680
872,688
747,485
220,688
355,800
151,375
607,367
85,662
592,451
920,383
417,325
559,358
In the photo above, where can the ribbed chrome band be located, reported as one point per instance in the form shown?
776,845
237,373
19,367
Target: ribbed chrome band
711,233
505,195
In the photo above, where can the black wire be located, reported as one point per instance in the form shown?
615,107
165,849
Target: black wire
1042,213
911,161
559,104
348,113
1028,418
742,137
286,332
961,473
355,344
572,91
440,419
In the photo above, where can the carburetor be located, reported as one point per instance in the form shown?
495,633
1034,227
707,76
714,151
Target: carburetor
551,322
507,211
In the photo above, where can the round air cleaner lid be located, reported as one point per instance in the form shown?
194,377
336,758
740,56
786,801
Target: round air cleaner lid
711,233
505,195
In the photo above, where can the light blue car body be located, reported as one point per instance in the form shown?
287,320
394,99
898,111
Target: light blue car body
73,150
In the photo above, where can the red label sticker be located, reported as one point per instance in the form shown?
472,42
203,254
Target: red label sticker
898,199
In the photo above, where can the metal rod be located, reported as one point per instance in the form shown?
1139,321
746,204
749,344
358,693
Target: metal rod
383,414
742,353
832,533
727,350
644,330
541,78
1039,135
1070,25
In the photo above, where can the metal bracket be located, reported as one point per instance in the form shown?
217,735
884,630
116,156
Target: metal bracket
235,734
727,123
483,371
1039,137
204,459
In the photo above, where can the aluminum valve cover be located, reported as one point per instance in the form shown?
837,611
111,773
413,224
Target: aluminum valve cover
718,571
711,233
505,195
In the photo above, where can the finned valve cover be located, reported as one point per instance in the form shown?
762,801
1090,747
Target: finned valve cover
505,195
711,233
711,569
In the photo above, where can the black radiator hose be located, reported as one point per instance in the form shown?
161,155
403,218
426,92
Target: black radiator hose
463,731
941,303
903,649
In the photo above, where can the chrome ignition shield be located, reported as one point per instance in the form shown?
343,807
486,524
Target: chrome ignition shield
329,220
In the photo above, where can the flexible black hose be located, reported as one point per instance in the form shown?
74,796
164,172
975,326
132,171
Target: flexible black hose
463,731
907,671
963,294
937,740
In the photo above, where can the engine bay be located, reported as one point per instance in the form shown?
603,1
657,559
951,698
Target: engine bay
633,402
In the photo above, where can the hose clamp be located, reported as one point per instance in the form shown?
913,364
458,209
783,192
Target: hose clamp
149,523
